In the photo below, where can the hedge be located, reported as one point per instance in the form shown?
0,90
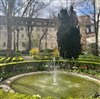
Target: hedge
13,68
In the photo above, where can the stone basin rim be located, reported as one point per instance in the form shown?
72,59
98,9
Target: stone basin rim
6,84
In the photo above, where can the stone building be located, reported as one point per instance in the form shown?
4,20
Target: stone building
39,27
84,21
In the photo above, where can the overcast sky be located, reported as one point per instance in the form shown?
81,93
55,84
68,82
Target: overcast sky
56,5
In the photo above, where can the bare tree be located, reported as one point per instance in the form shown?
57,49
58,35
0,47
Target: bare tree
33,11
51,22
11,8
45,31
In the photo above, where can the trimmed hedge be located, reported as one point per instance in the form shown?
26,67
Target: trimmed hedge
89,58
13,68
9,59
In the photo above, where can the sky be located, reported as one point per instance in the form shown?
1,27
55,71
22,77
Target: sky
56,5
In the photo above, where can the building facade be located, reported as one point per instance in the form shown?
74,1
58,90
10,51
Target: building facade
90,31
39,28
84,21
20,34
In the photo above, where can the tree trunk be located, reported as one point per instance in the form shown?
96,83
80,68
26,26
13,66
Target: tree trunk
9,39
44,33
9,24
29,42
96,30
45,41
30,27
14,42
17,39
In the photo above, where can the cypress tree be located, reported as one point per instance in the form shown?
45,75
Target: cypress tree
68,35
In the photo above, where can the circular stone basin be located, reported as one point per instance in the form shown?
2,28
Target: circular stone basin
67,85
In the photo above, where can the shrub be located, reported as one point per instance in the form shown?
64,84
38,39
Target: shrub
15,59
34,51
8,59
2,60
55,53
38,57
47,51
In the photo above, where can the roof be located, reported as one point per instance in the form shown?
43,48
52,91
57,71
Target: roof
28,21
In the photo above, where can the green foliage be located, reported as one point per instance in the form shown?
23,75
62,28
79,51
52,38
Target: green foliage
37,57
2,60
17,52
47,51
55,53
34,51
10,69
68,35
14,68
89,58
15,59
73,46
11,59
8,95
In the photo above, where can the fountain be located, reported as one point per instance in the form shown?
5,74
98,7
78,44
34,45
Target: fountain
54,72
60,84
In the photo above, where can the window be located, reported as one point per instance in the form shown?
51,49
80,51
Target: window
34,28
32,22
44,23
4,44
5,34
22,29
39,23
21,22
22,35
38,28
88,30
23,44
51,45
50,29
92,28
53,24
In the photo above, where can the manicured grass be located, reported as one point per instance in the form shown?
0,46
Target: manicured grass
89,58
